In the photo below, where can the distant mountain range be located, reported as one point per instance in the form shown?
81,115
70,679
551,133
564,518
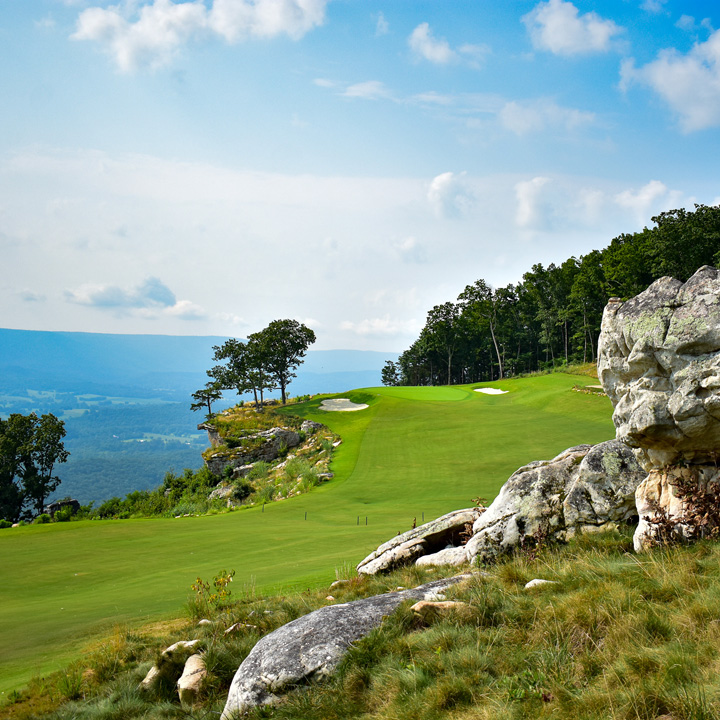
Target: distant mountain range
157,363
125,399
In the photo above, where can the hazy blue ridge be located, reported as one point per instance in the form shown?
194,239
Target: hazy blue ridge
126,399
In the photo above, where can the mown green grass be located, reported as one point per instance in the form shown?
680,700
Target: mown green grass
413,451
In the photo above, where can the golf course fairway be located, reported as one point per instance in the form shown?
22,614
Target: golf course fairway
414,453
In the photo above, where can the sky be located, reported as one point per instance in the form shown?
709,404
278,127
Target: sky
205,167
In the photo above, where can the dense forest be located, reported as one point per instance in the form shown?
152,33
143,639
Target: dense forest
553,316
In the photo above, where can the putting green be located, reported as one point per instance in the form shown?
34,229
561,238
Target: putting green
414,453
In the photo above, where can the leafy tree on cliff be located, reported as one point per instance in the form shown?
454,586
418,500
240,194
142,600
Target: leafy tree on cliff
284,344
205,397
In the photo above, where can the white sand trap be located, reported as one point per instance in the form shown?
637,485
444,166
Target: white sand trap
341,405
491,391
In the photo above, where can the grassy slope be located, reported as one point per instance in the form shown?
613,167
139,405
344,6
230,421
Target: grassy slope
414,450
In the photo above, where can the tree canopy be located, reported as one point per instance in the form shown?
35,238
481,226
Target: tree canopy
266,361
553,316
30,447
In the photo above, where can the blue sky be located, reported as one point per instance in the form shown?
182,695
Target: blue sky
206,167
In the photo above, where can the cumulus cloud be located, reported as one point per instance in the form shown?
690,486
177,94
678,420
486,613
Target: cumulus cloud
528,194
557,26
538,115
649,199
437,50
450,195
150,299
422,43
689,83
152,34
151,293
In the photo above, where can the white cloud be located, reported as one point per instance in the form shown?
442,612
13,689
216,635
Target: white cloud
238,19
528,196
30,296
648,200
450,195
152,34
382,326
557,26
689,84
411,250
538,115
185,310
654,6
151,293
422,42
382,26
368,90
475,54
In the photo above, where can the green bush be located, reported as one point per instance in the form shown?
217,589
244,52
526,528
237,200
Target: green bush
64,514
42,519
5,524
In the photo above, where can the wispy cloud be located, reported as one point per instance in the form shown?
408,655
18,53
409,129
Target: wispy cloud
523,118
150,35
557,26
382,27
689,83
369,90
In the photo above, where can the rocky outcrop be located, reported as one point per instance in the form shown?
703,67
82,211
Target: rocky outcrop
266,445
584,489
449,530
312,646
659,361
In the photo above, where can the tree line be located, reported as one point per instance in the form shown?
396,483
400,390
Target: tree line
265,362
30,447
553,316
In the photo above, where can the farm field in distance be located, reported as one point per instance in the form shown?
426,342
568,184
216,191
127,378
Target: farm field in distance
414,451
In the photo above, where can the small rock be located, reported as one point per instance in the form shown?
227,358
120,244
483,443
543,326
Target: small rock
204,622
537,582
330,598
339,583
240,626
429,611
190,683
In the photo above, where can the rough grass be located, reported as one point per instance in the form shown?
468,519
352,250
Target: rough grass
414,453
619,637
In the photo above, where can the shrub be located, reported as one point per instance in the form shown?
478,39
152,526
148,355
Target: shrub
5,524
64,514
42,519
242,489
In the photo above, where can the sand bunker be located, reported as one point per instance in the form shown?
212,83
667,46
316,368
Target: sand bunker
491,391
341,405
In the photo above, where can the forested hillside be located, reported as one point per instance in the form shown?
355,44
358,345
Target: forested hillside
553,316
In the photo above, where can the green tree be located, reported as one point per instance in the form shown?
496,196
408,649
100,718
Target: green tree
30,447
390,373
205,397
284,344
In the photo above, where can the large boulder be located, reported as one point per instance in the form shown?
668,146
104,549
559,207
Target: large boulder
313,646
584,489
659,362
430,538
